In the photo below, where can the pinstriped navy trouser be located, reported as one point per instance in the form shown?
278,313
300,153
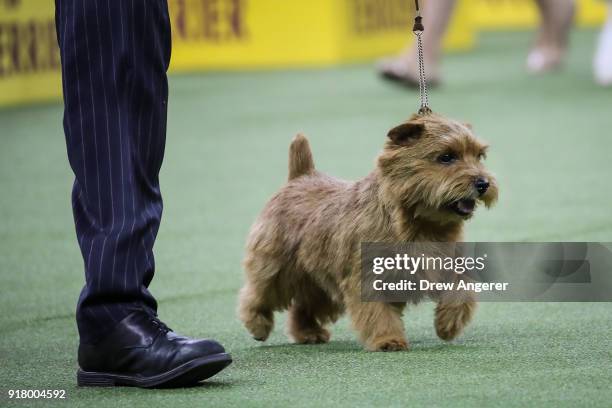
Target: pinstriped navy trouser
115,54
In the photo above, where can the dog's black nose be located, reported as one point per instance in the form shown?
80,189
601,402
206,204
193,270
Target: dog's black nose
482,185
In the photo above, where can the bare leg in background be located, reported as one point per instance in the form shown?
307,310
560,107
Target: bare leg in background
404,67
551,43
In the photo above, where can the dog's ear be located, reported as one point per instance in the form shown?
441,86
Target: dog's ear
406,133
468,125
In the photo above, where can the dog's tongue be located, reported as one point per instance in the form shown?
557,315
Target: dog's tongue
466,206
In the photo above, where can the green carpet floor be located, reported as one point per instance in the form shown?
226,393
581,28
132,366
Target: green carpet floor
551,144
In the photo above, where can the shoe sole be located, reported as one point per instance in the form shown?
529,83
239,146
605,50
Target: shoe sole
185,375
407,81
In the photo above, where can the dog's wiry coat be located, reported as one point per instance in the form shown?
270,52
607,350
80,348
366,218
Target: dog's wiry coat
303,251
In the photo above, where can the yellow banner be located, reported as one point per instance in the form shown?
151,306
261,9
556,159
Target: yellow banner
238,34
29,56
521,14
254,34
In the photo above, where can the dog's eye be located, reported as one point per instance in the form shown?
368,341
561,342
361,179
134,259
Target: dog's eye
447,158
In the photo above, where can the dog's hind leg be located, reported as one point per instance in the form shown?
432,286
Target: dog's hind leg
310,311
259,298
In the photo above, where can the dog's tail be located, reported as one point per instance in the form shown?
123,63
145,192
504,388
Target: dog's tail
300,157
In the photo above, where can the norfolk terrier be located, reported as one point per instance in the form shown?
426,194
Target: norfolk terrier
303,251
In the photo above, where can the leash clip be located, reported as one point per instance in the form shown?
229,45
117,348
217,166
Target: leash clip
418,27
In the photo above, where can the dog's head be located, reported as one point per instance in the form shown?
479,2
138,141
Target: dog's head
433,166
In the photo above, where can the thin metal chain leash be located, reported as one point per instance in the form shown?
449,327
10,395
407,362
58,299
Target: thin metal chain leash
418,31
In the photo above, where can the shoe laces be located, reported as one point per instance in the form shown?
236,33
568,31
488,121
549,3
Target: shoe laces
160,325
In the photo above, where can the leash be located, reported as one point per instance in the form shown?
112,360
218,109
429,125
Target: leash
418,29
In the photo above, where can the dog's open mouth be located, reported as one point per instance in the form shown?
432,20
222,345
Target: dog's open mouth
464,207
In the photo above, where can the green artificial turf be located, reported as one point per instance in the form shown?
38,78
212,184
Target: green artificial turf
551,144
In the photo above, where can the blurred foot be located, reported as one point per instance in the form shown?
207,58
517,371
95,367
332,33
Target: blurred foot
404,69
143,352
545,59
602,64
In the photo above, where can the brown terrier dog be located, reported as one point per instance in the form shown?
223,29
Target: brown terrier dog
303,252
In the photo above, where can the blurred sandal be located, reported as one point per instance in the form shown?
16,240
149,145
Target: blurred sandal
545,59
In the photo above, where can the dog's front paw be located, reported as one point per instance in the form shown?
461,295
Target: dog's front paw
312,336
388,344
452,319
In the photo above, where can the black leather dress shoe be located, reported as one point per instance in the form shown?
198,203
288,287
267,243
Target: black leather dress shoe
143,352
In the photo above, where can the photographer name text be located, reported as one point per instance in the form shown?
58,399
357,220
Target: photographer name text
423,284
